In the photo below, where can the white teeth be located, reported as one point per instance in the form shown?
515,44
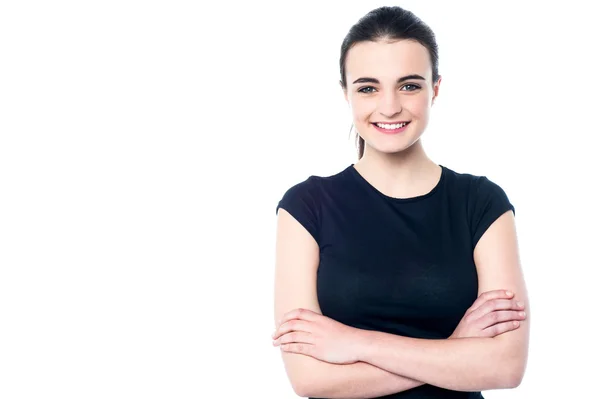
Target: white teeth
391,127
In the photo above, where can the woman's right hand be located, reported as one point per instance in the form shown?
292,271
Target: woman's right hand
492,314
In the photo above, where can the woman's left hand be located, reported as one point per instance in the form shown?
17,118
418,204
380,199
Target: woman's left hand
306,332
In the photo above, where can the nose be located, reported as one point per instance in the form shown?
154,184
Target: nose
390,104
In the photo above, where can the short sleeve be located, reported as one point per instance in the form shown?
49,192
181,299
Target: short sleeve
301,201
489,203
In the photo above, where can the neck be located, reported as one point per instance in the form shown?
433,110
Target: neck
404,174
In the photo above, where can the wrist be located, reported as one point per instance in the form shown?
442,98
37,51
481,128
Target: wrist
365,339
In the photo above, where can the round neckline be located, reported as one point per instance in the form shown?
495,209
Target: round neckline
365,182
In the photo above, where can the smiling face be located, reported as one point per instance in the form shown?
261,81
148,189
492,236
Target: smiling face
389,83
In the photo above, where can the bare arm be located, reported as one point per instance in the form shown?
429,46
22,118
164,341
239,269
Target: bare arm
351,381
467,364
297,260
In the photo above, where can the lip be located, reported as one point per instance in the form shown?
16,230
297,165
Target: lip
389,131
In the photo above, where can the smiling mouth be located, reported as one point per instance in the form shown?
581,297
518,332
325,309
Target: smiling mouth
391,126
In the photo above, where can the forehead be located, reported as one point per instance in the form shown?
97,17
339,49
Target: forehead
386,60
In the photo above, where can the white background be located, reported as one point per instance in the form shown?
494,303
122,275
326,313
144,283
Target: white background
144,147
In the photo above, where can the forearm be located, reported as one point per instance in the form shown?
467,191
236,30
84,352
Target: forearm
355,381
466,364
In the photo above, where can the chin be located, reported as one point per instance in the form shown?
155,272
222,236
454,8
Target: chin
392,148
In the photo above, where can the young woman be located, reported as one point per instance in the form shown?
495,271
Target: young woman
397,276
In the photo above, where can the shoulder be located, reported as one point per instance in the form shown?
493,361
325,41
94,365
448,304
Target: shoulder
315,186
304,200
305,187
485,201
474,186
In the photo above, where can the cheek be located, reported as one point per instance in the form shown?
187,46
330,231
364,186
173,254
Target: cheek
418,107
361,108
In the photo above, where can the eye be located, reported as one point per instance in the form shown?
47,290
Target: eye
416,87
366,88
362,90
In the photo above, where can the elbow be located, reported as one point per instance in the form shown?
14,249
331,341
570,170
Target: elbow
300,388
299,384
301,378
508,376
300,391
304,389
310,386
304,374
513,357
515,378
511,382
514,374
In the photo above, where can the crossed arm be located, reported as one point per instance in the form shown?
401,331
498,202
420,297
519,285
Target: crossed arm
395,363
390,363
315,378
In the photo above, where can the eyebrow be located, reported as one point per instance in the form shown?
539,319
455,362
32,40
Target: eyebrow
400,80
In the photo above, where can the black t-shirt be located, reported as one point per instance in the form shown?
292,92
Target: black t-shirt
398,265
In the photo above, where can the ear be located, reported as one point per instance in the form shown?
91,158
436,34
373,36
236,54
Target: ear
436,90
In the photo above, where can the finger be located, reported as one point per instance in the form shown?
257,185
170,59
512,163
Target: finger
299,337
501,316
491,306
299,313
292,325
304,349
489,295
501,328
